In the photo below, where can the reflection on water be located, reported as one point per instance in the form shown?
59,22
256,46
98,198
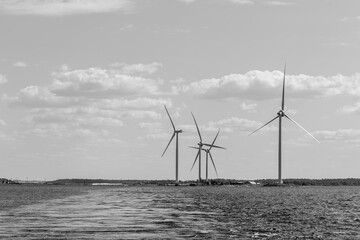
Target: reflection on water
109,213
190,212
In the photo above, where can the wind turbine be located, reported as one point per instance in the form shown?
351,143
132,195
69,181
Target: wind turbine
208,153
176,133
201,144
280,115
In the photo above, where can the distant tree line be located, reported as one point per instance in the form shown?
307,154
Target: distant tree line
314,182
218,181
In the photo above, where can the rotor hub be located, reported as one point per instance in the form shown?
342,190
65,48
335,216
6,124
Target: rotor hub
281,113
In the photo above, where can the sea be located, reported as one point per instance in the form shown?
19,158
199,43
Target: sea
179,212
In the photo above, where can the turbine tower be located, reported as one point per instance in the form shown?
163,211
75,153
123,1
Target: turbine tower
176,133
280,115
208,153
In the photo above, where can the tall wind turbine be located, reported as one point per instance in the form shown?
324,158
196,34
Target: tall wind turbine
176,133
208,153
280,115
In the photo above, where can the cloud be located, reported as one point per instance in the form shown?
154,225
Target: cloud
155,136
242,2
248,106
348,135
87,102
138,68
136,103
20,64
66,131
261,85
151,127
338,44
62,7
229,125
75,117
279,3
127,27
3,79
35,96
84,117
5,137
2,122
97,82
187,1
141,114
348,109
237,125
103,88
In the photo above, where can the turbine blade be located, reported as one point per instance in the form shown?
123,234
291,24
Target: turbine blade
197,155
263,125
199,148
283,91
210,145
301,127
195,148
172,137
172,123
197,127
212,160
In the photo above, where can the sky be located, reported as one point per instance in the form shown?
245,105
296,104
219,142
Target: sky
83,86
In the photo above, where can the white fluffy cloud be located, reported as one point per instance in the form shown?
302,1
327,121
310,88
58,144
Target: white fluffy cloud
248,106
256,85
348,135
2,122
242,2
90,101
136,103
3,79
96,82
20,64
280,3
75,116
64,131
35,96
228,125
61,7
139,68
237,125
355,108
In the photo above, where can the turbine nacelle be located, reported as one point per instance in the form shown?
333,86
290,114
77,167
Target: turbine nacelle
178,131
281,113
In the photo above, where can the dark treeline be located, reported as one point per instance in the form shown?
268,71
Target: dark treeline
218,181
324,182
264,182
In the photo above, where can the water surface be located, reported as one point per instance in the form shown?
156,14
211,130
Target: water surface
187,212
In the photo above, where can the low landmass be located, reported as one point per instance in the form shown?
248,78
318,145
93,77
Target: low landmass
259,182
